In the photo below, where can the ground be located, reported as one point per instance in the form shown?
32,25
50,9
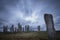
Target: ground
42,35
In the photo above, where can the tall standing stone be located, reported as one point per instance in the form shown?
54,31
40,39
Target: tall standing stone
27,28
23,29
50,26
19,28
5,29
12,28
15,29
38,28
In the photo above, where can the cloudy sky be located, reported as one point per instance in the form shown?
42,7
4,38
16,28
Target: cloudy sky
29,12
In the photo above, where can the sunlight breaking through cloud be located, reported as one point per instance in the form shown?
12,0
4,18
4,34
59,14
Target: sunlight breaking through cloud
29,12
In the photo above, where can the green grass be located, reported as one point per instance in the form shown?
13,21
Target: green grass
27,36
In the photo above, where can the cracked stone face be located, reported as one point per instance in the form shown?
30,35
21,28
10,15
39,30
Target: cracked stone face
50,26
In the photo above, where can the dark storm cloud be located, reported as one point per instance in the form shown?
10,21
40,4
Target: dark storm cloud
29,12
3,3
4,12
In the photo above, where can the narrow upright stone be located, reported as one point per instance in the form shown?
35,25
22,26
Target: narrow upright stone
27,28
50,26
19,27
12,28
15,29
23,29
5,29
38,28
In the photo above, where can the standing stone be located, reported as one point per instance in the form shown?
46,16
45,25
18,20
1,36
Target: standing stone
5,28
50,26
15,29
12,28
23,29
38,28
19,28
27,28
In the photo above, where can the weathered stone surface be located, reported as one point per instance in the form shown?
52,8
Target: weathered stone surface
27,28
19,27
50,26
12,28
38,28
23,29
5,29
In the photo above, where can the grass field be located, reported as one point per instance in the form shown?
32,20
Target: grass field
27,36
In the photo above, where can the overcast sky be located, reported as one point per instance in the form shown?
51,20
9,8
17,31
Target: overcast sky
29,12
